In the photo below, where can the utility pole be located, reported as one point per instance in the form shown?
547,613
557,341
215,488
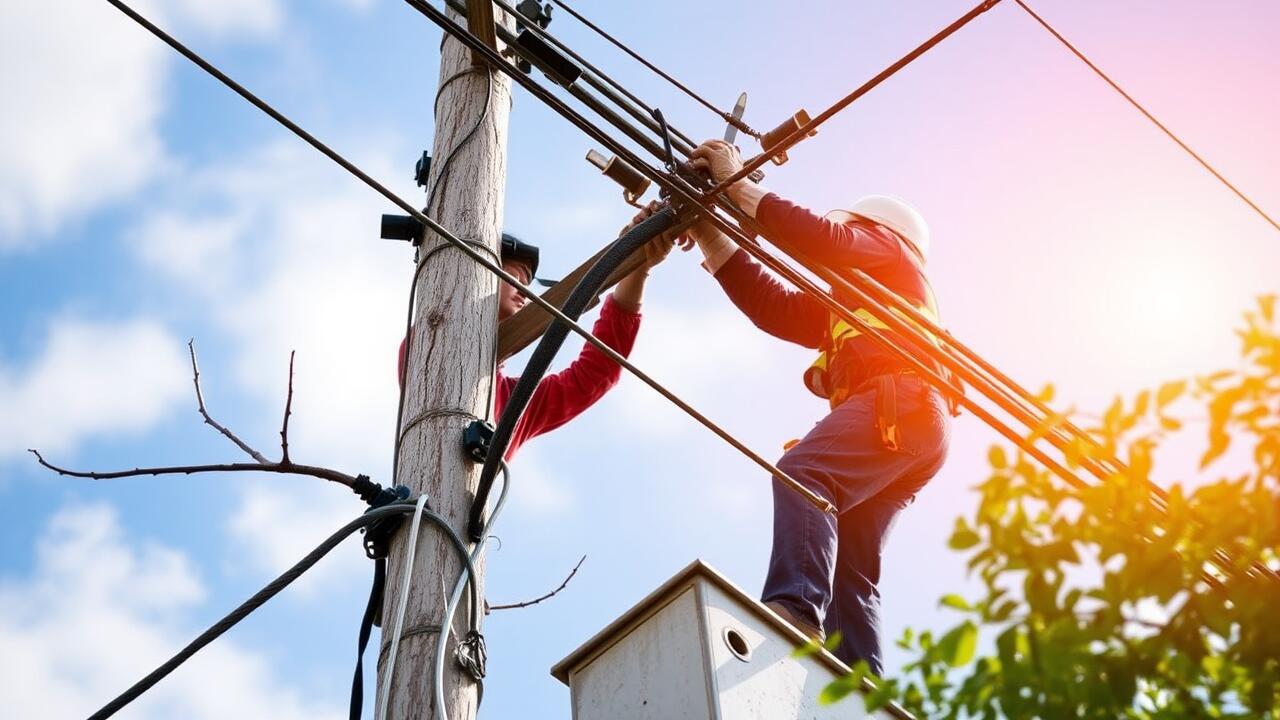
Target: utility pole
450,373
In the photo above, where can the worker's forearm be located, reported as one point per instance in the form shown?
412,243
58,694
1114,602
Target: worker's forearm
747,195
629,291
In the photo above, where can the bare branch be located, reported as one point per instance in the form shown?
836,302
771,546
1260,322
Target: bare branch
281,468
288,410
490,608
195,378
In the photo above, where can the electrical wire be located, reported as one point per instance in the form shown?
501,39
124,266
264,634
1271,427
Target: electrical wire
446,623
440,177
727,117
398,625
810,127
271,590
676,185
1148,115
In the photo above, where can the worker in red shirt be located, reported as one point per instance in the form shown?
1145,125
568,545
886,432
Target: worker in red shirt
887,432
565,395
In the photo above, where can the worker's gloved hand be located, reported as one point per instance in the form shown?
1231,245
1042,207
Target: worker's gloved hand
716,159
657,249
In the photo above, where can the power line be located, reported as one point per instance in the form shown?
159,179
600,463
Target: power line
1147,113
727,117
675,184
271,590
470,252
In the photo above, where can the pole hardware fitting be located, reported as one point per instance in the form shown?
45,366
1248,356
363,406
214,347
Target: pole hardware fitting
422,169
634,184
402,227
556,65
476,439
377,536
774,137
535,13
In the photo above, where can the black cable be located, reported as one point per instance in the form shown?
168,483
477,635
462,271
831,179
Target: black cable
1147,113
808,128
272,589
462,245
440,176
727,117
583,293
677,185
594,76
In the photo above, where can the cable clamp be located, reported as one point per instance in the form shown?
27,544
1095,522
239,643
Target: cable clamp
477,437
377,536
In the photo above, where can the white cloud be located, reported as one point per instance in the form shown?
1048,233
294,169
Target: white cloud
281,527
84,89
90,379
99,611
291,261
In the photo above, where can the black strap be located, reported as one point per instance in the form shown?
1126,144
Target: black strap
371,611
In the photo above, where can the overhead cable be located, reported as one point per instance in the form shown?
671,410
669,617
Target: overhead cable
449,237
727,117
271,590
808,128
1147,113
679,188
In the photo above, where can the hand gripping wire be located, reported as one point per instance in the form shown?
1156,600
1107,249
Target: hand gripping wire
470,252
993,392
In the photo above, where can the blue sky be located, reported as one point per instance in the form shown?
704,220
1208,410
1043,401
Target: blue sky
142,204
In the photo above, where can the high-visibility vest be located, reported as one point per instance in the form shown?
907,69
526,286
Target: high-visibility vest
818,377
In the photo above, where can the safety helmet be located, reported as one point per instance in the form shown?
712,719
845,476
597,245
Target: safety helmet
893,213
513,248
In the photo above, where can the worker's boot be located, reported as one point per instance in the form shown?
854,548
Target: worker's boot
804,627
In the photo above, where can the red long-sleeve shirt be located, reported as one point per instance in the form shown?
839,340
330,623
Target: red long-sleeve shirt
565,395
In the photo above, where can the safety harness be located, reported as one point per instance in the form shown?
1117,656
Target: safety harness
820,381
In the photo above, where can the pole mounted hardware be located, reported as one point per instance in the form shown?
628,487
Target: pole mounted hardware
476,439
402,227
557,66
633,183
776,136
731,130
533,12
422,169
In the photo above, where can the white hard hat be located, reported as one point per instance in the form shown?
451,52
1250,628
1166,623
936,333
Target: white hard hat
893,213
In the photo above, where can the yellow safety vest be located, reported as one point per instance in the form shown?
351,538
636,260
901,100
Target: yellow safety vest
818,379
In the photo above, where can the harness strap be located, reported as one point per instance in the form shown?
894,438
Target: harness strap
887,410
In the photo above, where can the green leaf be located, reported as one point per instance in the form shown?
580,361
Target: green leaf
997,457
1267,304
955,601
958,646
1169,392
963,538
1046,393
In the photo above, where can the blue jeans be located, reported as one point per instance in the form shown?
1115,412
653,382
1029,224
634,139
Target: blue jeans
824,568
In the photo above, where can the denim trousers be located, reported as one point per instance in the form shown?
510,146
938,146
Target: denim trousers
824,568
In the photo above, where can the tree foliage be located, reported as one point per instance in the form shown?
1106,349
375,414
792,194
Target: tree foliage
1101,603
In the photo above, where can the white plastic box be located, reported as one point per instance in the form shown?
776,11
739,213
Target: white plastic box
699,648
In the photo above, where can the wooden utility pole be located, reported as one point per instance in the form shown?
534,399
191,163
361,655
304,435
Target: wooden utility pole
450,371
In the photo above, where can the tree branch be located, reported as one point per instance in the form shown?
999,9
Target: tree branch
284,467
195,378
490,608
281,468
288,410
